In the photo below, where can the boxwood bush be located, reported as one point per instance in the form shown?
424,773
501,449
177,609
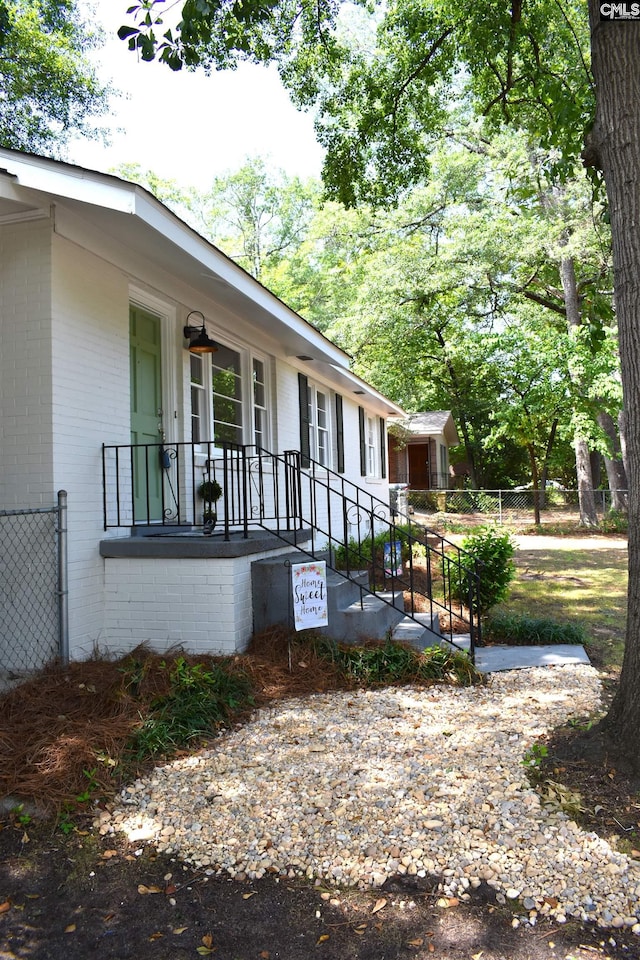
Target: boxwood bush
490,551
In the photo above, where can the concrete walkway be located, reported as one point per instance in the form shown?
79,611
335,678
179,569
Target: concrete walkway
499,657
502,657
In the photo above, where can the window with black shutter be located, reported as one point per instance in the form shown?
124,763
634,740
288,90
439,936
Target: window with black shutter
303,403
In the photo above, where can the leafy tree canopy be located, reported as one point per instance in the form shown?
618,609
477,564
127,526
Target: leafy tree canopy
382,76
48,88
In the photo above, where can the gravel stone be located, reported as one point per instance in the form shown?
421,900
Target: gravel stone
351,788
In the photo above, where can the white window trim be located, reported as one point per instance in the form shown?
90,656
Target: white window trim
247,357
372,445
204,393
314,428
267,433
167,314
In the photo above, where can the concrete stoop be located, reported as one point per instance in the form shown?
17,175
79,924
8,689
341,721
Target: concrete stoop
353,613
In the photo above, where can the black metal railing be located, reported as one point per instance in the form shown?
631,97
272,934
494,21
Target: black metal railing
317,510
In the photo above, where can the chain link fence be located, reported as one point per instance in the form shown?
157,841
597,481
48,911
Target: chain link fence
32,589
504,506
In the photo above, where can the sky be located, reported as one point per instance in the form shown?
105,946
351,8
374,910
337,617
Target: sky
189,127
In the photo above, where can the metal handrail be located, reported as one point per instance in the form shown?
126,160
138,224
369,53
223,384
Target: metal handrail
318,511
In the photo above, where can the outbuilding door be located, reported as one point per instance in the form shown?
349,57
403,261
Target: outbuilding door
419,466
145,337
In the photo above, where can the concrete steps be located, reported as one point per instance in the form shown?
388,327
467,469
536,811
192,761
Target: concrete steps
366,616
421,631
353,614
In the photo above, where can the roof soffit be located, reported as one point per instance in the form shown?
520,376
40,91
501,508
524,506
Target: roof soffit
135,218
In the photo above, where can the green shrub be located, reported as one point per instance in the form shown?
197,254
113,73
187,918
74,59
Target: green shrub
359,556
520,630
210,491
199,700
490,552
615,522
378,664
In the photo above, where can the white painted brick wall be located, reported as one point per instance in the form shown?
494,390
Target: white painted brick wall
64,374
90,405
25,369
204,605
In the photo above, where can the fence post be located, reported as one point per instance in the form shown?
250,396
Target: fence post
63,582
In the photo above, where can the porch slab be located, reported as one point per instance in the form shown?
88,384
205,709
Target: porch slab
169,545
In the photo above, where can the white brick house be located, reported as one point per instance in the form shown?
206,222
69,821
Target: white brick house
97,281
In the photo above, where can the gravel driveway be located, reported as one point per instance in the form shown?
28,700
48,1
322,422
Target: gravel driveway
352,788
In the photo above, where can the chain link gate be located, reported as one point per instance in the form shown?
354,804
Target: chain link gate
33,588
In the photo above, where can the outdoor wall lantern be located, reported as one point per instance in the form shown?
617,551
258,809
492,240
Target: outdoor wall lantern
199,340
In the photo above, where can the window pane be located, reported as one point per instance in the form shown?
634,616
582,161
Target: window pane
259,428
198,407
260,437
258,394
323,453
258,382
196,368
371,447
227,396
196,433
322,410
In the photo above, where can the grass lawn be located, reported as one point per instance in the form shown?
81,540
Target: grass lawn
581,581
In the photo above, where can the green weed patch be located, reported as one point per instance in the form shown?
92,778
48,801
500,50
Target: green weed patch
520,630
199,700
379,664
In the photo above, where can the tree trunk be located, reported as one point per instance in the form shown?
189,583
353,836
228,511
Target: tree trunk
595,459
623,444
588,514
542,497
536,484
614,145
616,475
586,499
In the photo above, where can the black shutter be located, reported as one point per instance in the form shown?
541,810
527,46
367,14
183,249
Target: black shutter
340,433
303,402
363,442
383,448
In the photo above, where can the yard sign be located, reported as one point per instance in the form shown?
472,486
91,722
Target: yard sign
309,588
393,559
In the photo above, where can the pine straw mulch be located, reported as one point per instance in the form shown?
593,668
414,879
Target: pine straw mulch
68,727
